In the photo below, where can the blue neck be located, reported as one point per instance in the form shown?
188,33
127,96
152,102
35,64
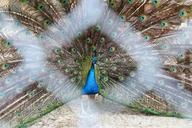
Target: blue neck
90,86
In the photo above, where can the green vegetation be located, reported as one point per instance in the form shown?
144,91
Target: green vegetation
149,111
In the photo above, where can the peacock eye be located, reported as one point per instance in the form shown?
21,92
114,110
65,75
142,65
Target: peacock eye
105,79
57,51
102,40
111,49
73,80
106,60
31,94
46,23
7,44
73,50
163,24
130,1
88,40
24,1
114,34
75,72
173,69
155,2
93,48
147,37
5,66
112,3
40,7
123,18
181,56
60,61
142,18
182,13
121,78
79,34
98,28
110,22
104,72
67,70
114,68
64,1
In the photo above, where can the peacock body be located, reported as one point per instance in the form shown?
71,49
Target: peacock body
134,54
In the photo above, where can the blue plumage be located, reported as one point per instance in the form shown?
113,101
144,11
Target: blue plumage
91,86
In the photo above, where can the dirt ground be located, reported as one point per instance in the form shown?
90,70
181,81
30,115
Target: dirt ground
65,118
111,116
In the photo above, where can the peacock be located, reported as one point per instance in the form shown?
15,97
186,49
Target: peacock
137,53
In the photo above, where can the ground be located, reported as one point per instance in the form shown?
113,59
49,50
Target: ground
111,116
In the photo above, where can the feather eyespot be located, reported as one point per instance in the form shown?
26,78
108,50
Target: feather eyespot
5,66
7,44
60,61
155,2
19,113
75,72
93,48
111,49
73,50
67,70
114,34
142,18
110,22
147,37
173,69
106,60
111,3
102,40
182,13
47,23
121,78
24,1
104,72
163,24
114,68
98,28
88,40
57,51
105,79
40,7
73,80
79,34
130,1
181,56
64,1
123,18
31,94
